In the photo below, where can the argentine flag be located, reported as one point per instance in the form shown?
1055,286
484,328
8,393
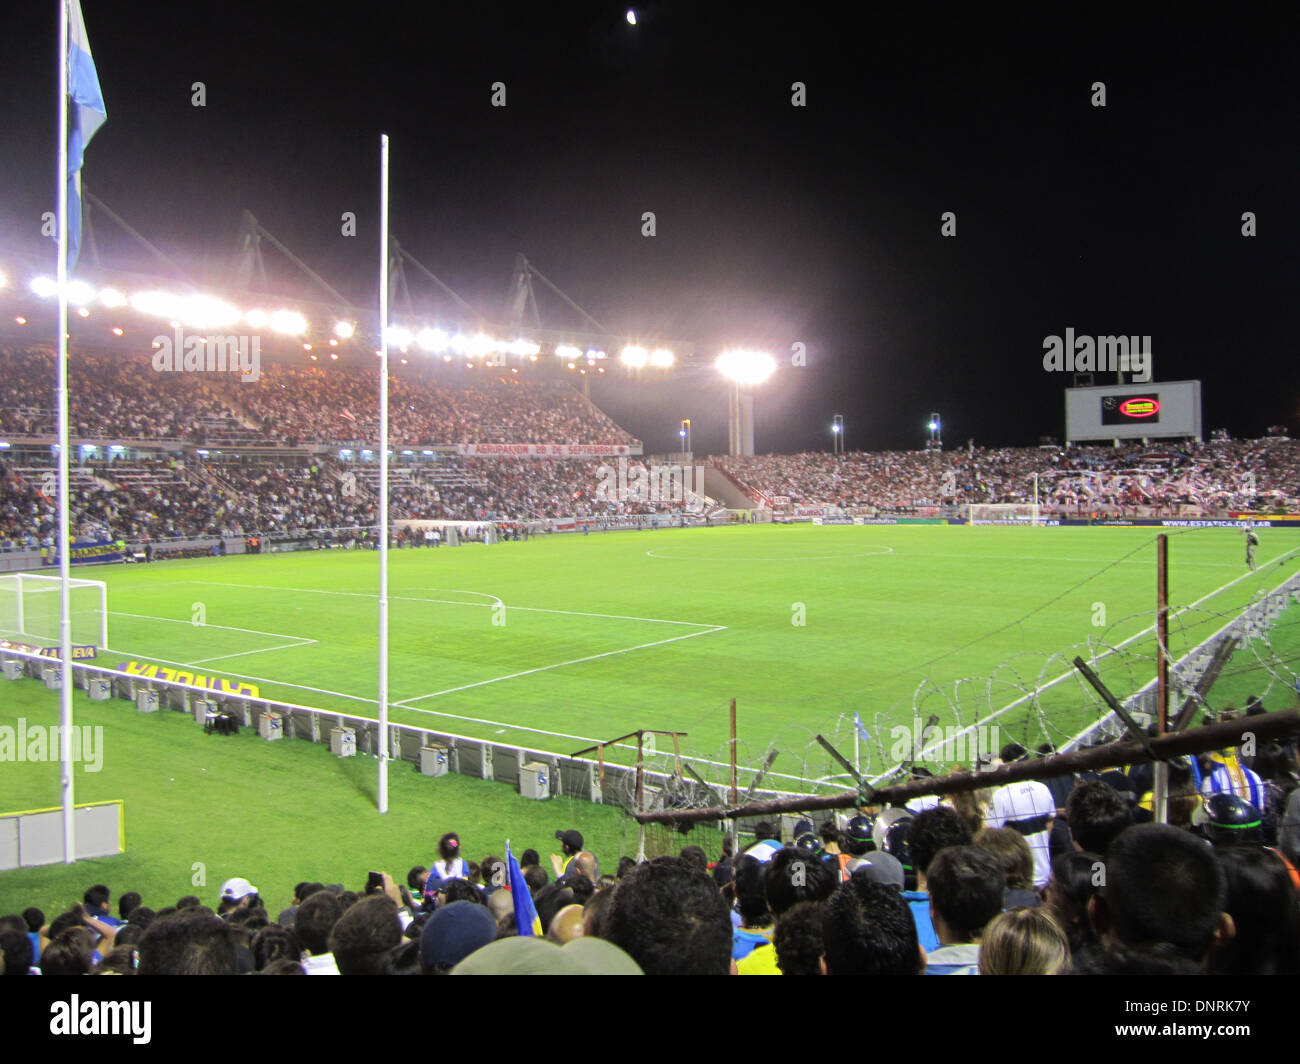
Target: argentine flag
526,918
85,116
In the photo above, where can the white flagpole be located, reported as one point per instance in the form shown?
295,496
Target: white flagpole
61,399
383,473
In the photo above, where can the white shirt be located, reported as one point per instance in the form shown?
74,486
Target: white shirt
322,964
1026,800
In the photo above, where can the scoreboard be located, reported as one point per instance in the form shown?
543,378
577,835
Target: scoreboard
1133,411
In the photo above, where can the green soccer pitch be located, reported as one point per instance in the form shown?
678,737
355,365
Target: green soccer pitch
563,641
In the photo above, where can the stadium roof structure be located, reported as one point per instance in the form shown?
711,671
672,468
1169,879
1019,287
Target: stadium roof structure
242,296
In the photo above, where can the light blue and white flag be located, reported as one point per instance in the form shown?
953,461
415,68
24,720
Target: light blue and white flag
86,114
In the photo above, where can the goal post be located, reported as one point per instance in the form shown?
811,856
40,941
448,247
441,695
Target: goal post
1004,513
29,609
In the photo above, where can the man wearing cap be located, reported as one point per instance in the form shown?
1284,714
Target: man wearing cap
237,894
571,844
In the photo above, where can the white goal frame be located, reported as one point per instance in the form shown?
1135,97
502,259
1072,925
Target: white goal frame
20,583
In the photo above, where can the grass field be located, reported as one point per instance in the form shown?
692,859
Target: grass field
563,641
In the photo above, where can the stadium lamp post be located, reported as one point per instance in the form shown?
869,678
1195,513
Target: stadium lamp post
744,369
936,433
685,433
837,433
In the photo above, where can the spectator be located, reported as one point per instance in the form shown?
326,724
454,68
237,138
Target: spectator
1096,813
188,943
966,888
798,940
1161,907
364,935
930,833
1024,942
1265,912
453,933
1013,854
670,919
868,929
313,925
1027,807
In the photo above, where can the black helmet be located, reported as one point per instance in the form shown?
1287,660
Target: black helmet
859,828
808,841
1230,819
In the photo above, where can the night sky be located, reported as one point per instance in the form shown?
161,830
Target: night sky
775,224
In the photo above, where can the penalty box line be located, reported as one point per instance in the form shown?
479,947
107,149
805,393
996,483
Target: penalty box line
296,641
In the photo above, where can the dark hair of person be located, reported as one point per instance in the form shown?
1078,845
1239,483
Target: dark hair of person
1265,908
190,901
97,896
188,943
1096,813
35,919
449,846
669,917
121,960
68,953
751,901
529,857
274,943
966,888
868,929
413,881
625,865
128,903
63,921
795,875
697,857
315,920
364,934
798,939
129,935
536,877
142,916
461,890
934,830
17,950
1163,885
283,966
595,911
1012,853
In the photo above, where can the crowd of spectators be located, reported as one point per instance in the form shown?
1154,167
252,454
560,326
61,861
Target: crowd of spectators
933,887
123,397
1216,476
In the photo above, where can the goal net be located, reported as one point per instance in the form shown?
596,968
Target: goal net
1004,513
29,610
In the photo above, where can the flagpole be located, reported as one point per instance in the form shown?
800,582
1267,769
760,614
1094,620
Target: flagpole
61,400
383,473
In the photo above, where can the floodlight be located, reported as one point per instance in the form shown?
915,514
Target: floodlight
398,336
746,367
566,351
344,330
112,298
662,358
634,357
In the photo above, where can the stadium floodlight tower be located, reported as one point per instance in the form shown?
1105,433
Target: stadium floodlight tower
837,433
685,433
935,441
745,370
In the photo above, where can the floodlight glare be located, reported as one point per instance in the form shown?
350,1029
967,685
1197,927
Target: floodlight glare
934,426
288,322
746,367
662,358
112,298
566,351
631,17
344,330
256,318
432,339
634,357
398,336
44,286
